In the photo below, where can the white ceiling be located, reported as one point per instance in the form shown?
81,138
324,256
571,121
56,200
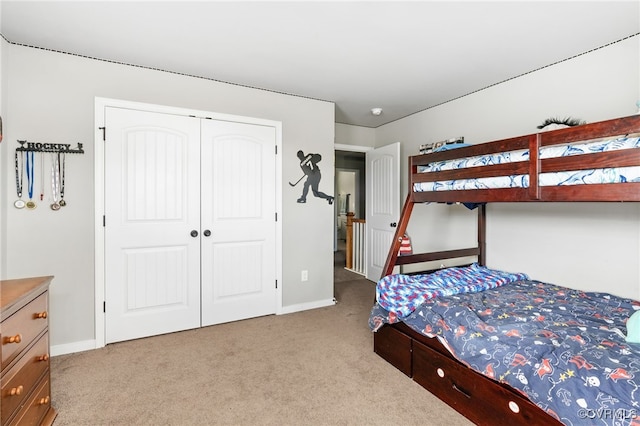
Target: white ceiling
403,57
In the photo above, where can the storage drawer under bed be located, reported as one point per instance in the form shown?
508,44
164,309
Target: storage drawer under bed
478,398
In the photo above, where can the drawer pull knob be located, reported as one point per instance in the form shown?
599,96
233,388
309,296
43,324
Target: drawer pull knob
14,339
16,391
44,357
44,401
440,372
513,406
41,315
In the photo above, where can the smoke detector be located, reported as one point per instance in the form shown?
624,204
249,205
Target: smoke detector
376,111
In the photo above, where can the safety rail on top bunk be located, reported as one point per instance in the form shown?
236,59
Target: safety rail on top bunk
534,166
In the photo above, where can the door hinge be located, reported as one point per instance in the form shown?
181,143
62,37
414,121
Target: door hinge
276,216
276,283
104,221
104,133
104,307
276,149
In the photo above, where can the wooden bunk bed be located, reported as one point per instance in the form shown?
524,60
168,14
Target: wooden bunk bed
426,359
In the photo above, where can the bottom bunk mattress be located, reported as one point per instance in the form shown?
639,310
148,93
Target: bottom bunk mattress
564,349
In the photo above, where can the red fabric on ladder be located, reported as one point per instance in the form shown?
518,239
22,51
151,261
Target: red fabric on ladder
405,246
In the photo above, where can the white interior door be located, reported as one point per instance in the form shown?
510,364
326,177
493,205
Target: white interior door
152,204
238,221
383,205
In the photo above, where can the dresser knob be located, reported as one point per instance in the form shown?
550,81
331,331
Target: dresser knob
16,391
42,315
44,400
14,339
44,357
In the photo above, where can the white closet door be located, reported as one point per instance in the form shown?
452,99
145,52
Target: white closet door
152,204
238,209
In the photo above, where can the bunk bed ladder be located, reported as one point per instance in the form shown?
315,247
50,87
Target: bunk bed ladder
392,257
394,260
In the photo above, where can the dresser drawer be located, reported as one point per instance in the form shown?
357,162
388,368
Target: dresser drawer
21,379
36,408
21,328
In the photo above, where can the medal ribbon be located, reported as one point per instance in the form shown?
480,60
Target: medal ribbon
64,162
30,173
19,173
55,177
41,176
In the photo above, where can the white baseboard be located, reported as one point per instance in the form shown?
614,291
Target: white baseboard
306,306
356,271
70,348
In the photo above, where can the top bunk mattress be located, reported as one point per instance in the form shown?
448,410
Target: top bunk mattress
570,177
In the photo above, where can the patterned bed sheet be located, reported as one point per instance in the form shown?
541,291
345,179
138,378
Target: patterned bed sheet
564,349
591,176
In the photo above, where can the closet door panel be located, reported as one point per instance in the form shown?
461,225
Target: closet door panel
238,209
152,200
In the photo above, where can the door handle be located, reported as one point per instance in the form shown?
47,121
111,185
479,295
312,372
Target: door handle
194,233
393,224
207,233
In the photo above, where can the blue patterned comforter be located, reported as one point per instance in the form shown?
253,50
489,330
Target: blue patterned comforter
402,294
564,349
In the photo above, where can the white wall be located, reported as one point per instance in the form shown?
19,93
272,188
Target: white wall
50,98
347,134
3,153
592,246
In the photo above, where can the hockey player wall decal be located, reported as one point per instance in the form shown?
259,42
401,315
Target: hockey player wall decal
309,166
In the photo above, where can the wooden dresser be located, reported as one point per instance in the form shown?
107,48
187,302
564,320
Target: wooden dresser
24,333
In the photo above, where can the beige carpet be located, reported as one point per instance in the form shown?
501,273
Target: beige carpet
310,368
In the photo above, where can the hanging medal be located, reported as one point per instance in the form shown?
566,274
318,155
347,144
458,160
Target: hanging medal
55,181
62,168
19,204
30,177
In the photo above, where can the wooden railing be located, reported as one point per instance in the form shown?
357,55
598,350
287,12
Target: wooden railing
355,255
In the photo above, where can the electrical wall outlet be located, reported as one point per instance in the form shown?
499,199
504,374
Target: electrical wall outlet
304,275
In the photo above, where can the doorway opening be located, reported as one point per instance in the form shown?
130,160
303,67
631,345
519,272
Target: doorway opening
350,198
